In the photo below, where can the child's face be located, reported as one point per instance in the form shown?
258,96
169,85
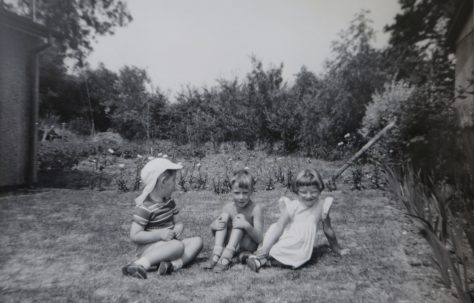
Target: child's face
241,196
309,194
166,186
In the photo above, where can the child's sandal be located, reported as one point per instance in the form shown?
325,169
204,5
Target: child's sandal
165,268
211,262
254,263
135,271
220,267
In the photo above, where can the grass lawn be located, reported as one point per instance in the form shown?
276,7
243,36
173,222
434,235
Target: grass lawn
69,245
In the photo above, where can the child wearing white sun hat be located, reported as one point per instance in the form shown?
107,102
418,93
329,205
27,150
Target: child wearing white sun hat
154,229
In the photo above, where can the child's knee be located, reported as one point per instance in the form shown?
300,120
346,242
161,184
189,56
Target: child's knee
197,242
177,246
225,217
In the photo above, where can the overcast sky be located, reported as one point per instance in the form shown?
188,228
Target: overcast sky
195,42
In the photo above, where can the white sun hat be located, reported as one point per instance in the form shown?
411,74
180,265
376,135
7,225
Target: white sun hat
150,173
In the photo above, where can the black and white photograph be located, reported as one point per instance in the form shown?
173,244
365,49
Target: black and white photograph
237,151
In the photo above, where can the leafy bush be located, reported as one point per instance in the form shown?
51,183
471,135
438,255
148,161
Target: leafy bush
386,106
56,156
129,150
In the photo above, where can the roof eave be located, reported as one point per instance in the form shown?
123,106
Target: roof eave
23,24
457,23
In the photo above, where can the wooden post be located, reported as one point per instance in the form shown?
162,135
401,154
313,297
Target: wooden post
362,150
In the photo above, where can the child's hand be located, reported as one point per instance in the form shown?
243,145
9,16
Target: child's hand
178,229
167,234
239,222
219,224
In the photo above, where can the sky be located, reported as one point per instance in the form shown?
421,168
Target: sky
197,42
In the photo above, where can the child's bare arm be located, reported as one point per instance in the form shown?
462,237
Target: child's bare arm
281,224
178,229
139,236
330,235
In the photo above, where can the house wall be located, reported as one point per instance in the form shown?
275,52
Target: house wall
464,69
464,73
16,107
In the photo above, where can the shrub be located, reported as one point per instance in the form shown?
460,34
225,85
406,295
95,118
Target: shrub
80,126
55,156
387,106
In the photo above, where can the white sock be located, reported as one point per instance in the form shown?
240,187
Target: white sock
143,262
177,264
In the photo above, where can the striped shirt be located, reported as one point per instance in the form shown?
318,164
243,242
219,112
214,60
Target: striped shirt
155,216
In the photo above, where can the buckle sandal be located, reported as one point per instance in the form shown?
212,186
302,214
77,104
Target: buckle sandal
165,268
135,271
220,267
211,262
255,263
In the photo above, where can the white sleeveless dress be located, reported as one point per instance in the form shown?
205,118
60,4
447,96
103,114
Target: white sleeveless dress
295,245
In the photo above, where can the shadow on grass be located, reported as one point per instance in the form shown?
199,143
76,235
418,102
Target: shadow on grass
319,252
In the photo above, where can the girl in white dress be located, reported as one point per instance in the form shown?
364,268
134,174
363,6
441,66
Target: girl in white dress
291,239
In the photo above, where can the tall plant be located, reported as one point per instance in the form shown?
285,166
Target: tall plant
429,206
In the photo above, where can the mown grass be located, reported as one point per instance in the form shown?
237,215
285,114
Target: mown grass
69,246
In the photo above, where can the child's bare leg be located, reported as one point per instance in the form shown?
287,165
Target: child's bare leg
331,235
261,255
234,240
235,236
192,247
219,242
220,235
161,251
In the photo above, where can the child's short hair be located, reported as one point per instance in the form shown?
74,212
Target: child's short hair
308,177
243,179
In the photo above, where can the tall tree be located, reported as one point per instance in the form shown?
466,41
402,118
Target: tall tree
264,86
78,22
353,75
130,112
419,51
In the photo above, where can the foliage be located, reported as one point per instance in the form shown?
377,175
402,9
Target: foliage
335,104
389,105
354,74
56,156
429,205
419,49
77,22
386,106
130,110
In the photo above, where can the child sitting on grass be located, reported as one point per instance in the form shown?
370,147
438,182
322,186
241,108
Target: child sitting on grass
239,228
154,229
291,239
